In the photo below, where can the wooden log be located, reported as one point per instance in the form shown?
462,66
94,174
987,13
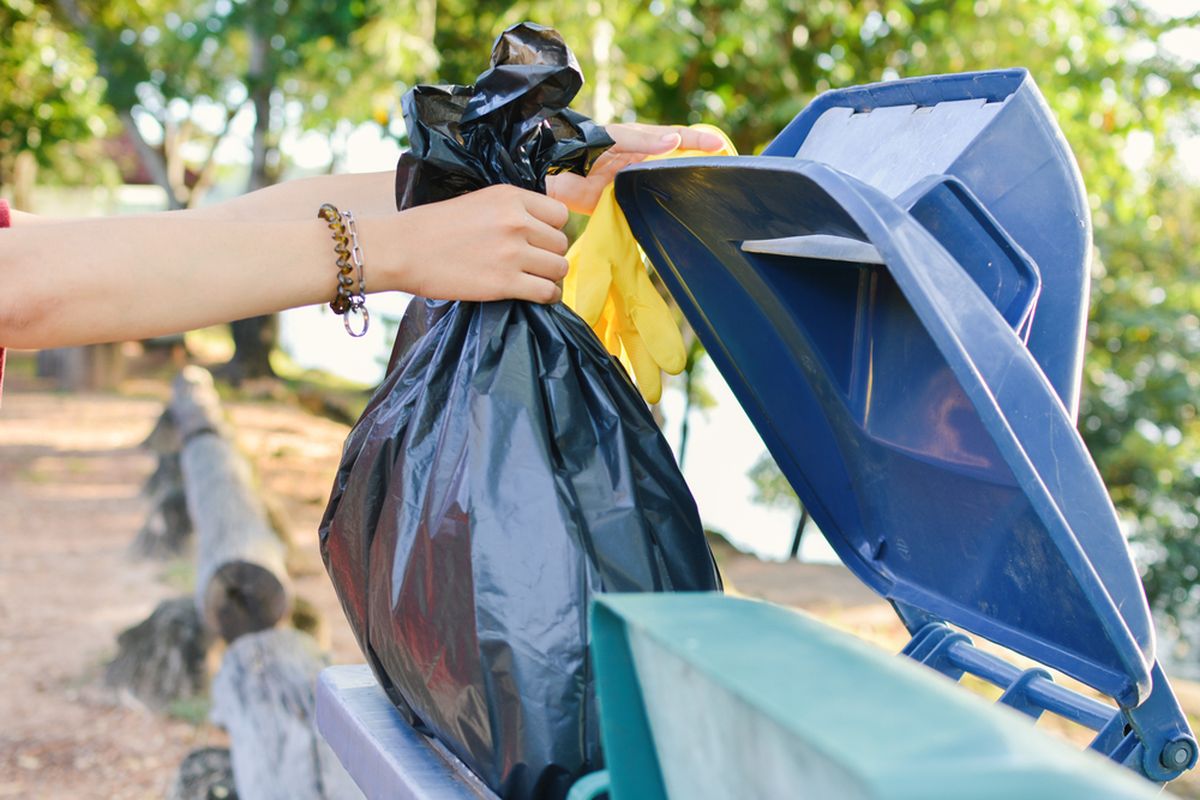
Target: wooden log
164,436
204,774
168,528
167,531
264,696
241,576
162,659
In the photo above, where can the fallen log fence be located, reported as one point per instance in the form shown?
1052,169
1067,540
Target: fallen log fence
204,499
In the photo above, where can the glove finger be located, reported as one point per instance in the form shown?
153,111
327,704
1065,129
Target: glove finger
635,356
612,333
645,369
590,274
592,253
649,313
656,326
601,331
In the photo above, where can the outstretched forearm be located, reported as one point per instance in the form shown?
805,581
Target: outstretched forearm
366,194
65,282
85,281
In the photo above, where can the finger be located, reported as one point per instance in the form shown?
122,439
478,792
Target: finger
593,276
546,209
693,139
607,168
659,139
645,139
535,289
545,265
578,193
546,237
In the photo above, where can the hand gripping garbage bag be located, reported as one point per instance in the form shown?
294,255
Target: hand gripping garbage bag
506,469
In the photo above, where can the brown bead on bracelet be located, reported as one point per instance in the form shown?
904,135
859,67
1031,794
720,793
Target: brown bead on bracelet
349,255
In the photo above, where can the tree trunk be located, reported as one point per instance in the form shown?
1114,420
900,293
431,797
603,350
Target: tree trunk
264,697
162,659
95,367
253,341
695,351
154,160
241,577
603,110
800,526
254,338
25,169
258,80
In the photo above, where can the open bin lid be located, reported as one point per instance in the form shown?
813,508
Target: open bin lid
993,132
901,405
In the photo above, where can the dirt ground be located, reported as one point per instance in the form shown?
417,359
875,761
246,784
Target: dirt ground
70,475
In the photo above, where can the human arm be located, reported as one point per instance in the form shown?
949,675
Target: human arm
24,220
85,281
72,282
364,193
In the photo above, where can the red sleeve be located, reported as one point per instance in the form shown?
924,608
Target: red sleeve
5,221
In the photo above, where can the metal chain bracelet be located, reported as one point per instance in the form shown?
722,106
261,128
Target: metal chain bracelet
347,302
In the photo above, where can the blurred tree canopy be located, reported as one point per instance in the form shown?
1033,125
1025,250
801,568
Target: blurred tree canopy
51,103
1118,74
177,73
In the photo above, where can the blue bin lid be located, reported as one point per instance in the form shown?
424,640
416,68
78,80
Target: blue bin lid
902,406
993,132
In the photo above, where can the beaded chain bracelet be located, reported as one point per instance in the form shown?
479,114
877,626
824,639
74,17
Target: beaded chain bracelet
349,261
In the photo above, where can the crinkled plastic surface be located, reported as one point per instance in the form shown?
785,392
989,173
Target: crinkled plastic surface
513,126
505,471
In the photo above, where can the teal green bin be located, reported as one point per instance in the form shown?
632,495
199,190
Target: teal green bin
712,696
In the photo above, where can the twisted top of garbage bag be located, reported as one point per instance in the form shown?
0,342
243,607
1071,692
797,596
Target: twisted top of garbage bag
512,126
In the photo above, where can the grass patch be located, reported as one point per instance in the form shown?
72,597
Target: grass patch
193,710
291,373
33,475
180,574
21,364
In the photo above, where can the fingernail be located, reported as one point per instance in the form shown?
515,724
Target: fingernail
670,137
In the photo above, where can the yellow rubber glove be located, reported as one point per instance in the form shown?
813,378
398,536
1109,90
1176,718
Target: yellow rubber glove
608,286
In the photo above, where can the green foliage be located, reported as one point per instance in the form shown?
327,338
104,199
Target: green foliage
1141,385
771,488
192,710
50,99
1105,67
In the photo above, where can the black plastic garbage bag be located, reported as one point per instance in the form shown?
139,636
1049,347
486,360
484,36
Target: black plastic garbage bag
505,471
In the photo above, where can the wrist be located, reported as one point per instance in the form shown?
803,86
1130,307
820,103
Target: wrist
385,252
